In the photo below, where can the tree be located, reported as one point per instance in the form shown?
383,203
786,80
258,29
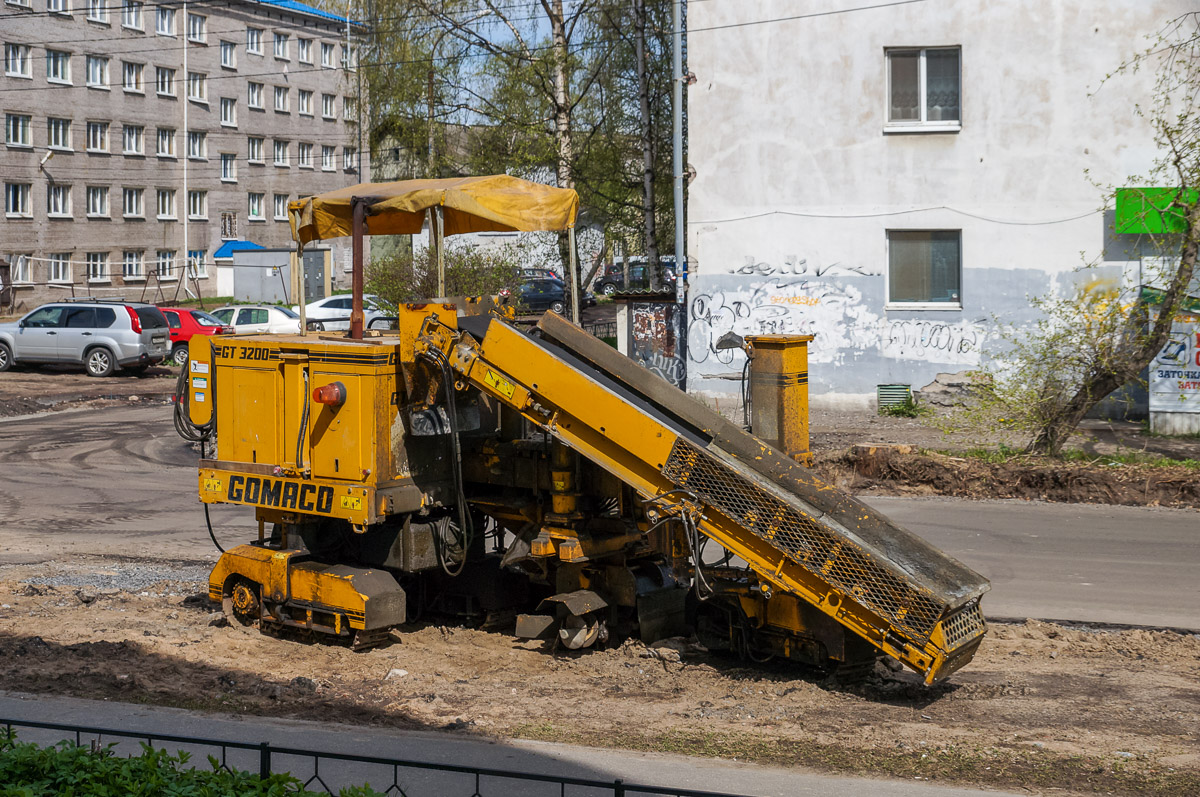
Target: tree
1101,336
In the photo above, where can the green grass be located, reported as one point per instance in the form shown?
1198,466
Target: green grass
909,409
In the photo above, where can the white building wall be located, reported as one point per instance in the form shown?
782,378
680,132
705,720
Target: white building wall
797,183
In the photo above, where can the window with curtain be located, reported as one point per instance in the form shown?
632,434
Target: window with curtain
924,89
925,267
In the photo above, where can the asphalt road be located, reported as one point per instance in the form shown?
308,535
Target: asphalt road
668,771
118,482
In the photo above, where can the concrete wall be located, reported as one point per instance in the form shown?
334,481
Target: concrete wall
797,183
40,236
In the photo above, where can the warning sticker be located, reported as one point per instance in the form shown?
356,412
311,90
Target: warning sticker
499,384
199,367
212,485
351,502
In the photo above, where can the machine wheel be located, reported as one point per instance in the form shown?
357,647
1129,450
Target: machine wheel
5,358
608,288
179,355
576,633
100,362
558,307
316,326
242,604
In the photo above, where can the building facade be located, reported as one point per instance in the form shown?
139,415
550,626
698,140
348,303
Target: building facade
140,137
898,179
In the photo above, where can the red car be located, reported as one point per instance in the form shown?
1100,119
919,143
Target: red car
184,323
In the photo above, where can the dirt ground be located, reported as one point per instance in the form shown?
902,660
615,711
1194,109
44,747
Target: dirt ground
24,391
1041,707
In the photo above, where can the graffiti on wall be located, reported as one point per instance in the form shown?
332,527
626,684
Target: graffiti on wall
1175,372
798,266
655,335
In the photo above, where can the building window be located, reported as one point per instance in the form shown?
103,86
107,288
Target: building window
304,102
924,90
228,226
197,87
97,266
22,269
228,55
281,45
58,201
197,268
197,145
16,130
228,167
164,21
328,158
281,201
281,99
304,155
17,61
254,207
304,51
164,264
131,77
349,109
925,268
197,28
131,203
133,140
16,200
58,66
131,265
58,133
228,112
254,95
97,136
281,154
254,40
327,106
97,72
254,149
97,11
58,7
164,81
131,14
166,203
60,266
165,148
327,55
349,158
97,201
198,205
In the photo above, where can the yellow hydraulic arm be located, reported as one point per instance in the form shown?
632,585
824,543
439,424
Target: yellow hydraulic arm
881,582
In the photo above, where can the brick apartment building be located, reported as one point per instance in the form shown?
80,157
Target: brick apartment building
140,137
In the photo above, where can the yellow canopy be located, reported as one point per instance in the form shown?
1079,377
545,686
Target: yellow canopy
472,204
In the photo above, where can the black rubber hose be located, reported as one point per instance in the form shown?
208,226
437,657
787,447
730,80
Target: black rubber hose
303,428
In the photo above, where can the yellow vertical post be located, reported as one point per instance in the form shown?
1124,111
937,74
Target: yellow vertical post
779,392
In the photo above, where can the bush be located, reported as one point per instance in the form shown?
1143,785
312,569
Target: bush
908,409
27,770
470,271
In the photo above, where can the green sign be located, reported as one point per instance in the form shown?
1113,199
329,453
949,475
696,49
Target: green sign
1149,210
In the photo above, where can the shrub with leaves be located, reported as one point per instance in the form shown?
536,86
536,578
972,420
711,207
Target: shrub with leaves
470,271
67,770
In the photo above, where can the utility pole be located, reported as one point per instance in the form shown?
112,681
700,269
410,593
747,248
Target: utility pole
677,166
649,231
182,205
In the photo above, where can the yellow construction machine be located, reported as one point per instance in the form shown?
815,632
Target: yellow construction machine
465,468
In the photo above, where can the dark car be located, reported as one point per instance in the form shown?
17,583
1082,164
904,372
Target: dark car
185,323
612,279
538,296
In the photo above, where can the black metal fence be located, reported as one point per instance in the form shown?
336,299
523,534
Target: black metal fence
389,775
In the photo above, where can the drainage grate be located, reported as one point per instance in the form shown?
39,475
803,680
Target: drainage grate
820,550
893,395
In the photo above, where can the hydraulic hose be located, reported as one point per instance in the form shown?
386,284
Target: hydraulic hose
442,530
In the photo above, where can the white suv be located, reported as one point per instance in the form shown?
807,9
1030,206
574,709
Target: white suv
101,335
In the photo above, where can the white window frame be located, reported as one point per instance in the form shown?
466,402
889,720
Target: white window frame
133,265
97,11
165,135
58,7
255,143
229,167
197,28
887,273
254,206
254,96
304,50
164,204
102,128
304,102
17,133
22,207
58,134
228,112
133,203
133,77
164,21
97,268
328,51
304,155
920,125
58,201
197,80
22,268
60,267
134,135
254,40
18,60
197,145
102,62
329,106
280,215
131,14
276,149
164,264
197,208
196,267
228,54
97,202
58,67
281,92
328,158
281,42
164,81
349,159
349,109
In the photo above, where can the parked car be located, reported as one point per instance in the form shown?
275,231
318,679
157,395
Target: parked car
612,279
269,318
333,312
184,323
539,274
103,336
538,296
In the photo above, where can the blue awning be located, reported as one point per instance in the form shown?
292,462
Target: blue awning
229,247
